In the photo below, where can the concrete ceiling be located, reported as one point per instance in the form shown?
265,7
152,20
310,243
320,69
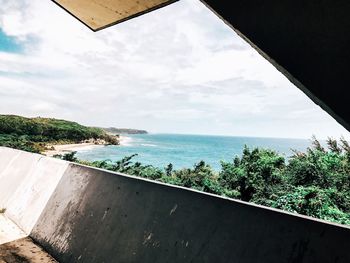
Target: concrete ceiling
308,41
99,14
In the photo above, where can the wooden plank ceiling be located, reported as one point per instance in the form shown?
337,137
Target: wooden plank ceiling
99,14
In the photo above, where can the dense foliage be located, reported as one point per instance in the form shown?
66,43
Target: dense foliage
32,134
315,183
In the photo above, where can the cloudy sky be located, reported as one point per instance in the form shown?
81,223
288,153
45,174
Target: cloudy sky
176,70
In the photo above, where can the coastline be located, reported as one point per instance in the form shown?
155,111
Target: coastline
68,148
61,149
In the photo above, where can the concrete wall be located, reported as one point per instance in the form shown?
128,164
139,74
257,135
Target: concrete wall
87,215
26,183
96,216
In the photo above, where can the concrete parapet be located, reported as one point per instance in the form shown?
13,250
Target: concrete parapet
98,216
90,215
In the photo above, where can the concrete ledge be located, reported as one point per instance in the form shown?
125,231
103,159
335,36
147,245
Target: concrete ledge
27,182
9,231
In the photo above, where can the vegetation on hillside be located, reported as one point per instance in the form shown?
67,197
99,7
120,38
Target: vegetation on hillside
314,183
33,134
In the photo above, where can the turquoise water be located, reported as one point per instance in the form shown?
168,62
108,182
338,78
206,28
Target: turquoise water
186,150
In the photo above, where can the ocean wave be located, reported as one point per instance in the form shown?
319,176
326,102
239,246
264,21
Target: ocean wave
125,141
148,145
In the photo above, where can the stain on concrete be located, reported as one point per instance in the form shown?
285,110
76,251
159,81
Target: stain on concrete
147,239
173,210
23,251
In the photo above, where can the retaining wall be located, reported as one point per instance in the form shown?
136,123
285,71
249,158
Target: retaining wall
98,216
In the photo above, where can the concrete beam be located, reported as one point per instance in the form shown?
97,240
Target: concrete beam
308,41
99,14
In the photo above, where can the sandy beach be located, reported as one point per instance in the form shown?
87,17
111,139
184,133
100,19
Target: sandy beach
61,149
67,148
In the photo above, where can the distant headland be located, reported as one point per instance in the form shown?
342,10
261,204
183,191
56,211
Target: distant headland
51,136
115,131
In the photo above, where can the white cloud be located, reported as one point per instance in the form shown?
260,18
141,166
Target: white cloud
178,69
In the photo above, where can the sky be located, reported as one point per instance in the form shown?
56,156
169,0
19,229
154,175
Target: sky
179,69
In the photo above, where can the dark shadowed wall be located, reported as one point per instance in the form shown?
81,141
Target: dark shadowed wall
97,216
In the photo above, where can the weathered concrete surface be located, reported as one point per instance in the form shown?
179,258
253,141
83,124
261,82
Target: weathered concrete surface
9,231
89,215
23,251
308,41
96,216
26,184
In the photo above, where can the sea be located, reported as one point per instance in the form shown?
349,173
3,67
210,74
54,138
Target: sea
183,151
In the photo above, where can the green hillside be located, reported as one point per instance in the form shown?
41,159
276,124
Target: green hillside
33,134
